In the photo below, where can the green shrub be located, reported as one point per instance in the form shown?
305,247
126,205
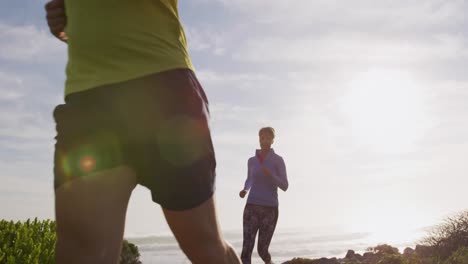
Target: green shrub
449,236
392,259
351,261
28,242
130,254
414,259
458,257
383,249
33,242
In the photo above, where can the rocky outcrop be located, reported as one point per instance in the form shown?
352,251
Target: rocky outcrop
423,251
313,261
408,252
373,256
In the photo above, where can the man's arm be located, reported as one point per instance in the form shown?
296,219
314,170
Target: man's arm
56,18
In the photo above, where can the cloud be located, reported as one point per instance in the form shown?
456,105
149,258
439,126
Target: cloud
448,107
29,180
29,57
10,88
26,103
392,14
213,76
206,39
29,44
356,32
279,63
352,48
244,88
26,190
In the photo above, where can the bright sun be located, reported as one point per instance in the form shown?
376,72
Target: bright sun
385,109
392,226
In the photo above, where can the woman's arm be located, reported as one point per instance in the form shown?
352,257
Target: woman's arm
280,176
248,181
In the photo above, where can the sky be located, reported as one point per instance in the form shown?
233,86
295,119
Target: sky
368,99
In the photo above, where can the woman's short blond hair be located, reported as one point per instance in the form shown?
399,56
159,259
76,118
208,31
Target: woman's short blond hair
269,130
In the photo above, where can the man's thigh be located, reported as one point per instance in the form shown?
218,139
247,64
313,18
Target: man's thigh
90,215
197,231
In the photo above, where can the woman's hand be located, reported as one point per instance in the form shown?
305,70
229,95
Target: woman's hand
266,171
242,193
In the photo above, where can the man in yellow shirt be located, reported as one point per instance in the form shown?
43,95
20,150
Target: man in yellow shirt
134,113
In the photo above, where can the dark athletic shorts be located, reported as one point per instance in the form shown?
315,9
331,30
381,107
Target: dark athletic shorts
157,125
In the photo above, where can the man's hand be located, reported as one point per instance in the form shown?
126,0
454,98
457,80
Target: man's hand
266,172
56,18
242,193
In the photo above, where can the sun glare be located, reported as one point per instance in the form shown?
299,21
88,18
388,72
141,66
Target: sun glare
87,164
388,222
385,110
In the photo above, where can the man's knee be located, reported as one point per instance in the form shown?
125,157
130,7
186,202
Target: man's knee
70,249
203,250
210,252
83,249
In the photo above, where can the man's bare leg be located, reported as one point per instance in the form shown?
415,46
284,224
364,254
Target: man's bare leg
199,235
90,214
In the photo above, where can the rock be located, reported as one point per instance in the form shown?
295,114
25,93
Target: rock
358,257
423,251
370,258
408,252
312,261
350,254
325,261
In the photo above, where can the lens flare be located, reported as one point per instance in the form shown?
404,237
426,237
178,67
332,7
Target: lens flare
87,164
182,140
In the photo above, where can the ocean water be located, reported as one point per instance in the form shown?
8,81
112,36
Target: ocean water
285,245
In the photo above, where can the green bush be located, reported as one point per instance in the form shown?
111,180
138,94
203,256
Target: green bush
33,242
28,242
449,236
414,259
352,261
392,259
383,249
458,257
130,254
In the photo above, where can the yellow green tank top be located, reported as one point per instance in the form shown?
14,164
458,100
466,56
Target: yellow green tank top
111,41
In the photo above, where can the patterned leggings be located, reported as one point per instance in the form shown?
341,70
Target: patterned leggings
262,219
